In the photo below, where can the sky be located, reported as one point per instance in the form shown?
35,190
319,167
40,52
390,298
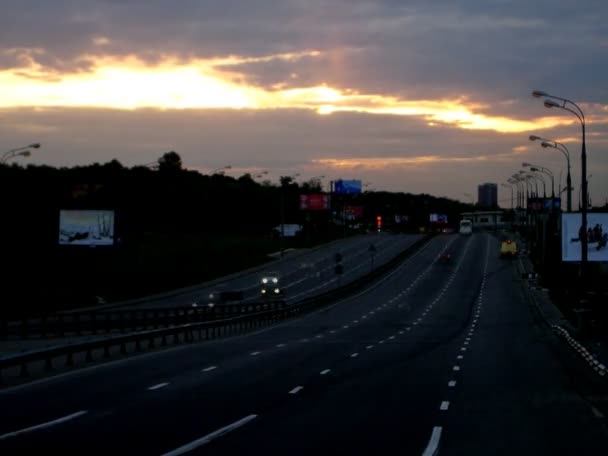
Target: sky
420,96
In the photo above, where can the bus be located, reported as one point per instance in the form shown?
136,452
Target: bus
466,227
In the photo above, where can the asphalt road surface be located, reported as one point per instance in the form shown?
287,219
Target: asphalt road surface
302,274
434,358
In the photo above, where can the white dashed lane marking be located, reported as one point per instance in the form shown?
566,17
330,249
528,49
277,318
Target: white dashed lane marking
444,405
452,383
159,386
209,369
326,371
296,390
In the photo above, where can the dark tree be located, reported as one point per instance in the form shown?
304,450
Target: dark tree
170,161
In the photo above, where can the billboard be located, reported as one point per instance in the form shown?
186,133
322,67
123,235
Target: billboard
315,202
86,227
438,218
347,187
597,236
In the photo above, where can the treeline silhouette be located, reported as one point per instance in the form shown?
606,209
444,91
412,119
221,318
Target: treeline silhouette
173,227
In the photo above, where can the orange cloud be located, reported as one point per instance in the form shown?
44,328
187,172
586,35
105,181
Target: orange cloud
130,83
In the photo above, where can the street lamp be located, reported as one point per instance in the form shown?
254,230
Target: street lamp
564,150
578,112
221,170
509,185
544,170
18,152
283,186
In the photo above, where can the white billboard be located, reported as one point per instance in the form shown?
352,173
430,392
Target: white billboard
90,227
597,235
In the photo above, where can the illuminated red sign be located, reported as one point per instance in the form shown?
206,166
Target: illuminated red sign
314,202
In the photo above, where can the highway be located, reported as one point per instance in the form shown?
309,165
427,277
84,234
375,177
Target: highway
303,274
433,358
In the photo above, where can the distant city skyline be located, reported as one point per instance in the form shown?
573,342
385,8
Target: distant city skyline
420,97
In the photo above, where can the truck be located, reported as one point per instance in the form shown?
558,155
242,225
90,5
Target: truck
466,227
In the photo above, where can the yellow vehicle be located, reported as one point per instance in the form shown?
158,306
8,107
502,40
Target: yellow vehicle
508,249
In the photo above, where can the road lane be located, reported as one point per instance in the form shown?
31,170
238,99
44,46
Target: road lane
404,382
113,383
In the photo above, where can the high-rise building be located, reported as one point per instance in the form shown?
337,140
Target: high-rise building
487,195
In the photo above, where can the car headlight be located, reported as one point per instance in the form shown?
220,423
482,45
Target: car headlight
275,280
264,280
211,296
263,290
277,291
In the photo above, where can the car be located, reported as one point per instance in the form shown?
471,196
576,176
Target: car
445,257
270,285
508,249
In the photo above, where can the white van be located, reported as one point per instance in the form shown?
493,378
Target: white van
466,227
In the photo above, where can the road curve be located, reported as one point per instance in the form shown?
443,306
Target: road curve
433,357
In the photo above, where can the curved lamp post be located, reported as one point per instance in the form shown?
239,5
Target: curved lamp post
292,177
553,101
509,185
221,170
541,169
18,152
564,150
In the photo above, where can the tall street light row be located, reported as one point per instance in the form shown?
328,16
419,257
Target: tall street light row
553,101
547,171
564,150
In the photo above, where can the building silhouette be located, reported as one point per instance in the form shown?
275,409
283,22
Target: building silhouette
487,195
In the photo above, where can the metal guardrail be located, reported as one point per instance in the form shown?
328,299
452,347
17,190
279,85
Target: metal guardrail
189,332
123,321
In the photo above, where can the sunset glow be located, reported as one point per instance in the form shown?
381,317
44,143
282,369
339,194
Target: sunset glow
129,83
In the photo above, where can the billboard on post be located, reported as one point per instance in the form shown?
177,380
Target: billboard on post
438,218
347,187
314,202
597,236
86,227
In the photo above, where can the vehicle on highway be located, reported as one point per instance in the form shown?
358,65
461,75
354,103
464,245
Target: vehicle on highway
270,285
445,257
508,249
466,227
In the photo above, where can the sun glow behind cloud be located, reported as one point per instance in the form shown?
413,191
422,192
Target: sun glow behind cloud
129,83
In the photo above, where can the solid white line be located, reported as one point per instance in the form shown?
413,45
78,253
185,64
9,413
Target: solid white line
43,425
444,405
255,353
326,371
354,355
432,448
209,369
296,390
159,386
209,437
452,383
